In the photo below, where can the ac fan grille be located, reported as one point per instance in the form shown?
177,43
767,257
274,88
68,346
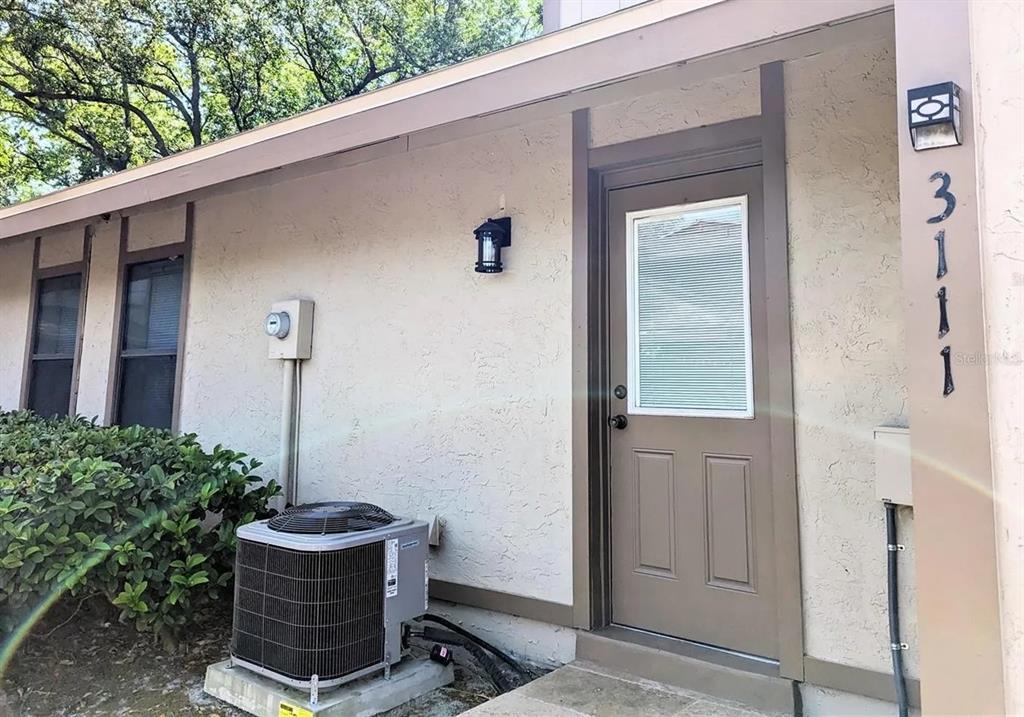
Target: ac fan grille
300,613
331,518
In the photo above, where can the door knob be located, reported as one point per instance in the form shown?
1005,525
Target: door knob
619,422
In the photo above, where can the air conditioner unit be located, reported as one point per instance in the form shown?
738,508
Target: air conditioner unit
322,590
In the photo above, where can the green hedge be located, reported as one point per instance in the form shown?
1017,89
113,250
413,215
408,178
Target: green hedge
145,518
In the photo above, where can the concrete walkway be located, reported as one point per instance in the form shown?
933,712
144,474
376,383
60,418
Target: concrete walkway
582,688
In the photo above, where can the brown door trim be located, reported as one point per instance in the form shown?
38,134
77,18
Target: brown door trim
729,145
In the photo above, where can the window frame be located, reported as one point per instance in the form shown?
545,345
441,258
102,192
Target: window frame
126,260
632,311
40,274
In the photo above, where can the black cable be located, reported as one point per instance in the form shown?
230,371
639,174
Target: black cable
501,681
894,611
511,662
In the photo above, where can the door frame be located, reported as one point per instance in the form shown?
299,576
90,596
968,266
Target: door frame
746,142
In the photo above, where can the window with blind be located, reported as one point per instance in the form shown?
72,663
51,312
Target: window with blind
149,343
54,338
689,311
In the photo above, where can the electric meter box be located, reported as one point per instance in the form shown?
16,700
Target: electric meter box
289,329
892,465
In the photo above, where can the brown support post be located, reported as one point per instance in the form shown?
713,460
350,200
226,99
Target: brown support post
581,528
954,513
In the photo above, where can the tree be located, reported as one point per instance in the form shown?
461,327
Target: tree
89,87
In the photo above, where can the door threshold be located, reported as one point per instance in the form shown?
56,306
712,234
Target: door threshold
702,669
723,656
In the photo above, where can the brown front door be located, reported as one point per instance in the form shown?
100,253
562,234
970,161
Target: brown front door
691,488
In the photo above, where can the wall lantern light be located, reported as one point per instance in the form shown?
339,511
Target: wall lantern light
491,237
935,116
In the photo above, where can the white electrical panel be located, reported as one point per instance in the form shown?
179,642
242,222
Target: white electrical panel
289,329
892,465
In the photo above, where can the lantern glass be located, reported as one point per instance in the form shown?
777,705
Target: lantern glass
489,256
491,236
934,116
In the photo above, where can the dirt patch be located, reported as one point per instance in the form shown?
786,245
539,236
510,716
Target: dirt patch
94,666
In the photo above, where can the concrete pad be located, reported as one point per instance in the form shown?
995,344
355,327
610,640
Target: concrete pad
262,697
513,704
573,691
604,696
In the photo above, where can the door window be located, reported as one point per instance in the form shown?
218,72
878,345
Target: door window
688,318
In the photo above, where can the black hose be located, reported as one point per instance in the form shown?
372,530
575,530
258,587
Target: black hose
501,680
896,645
510,661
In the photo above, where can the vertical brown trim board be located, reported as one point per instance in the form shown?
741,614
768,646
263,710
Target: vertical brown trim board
26,369
83,295
186,281
113,373
580,371
784,492
958,611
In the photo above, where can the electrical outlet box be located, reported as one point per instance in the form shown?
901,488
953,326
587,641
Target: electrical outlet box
892,465
289,328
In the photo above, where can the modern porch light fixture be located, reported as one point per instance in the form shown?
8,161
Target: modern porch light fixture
491,237
935,116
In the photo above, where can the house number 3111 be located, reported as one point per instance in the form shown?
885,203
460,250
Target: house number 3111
943,193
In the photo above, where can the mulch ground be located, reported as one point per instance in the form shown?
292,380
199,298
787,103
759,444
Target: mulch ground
84,663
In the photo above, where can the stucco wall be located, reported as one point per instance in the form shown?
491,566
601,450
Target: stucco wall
62,247
998,29
848,368
98,322
15,295
155,228
701,103
432,389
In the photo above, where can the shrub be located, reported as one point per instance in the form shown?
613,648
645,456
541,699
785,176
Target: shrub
138,515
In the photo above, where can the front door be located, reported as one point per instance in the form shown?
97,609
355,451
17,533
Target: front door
691,485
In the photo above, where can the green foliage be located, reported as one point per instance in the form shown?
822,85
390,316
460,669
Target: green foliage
89,87
138,515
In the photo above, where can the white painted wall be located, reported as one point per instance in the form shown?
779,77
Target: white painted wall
998,123
15,297
563,13
717,99
848,350
62,247
98,322
432,389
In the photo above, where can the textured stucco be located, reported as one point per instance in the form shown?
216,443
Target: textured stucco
98,323
705,102
156,228
15,294
848,366
539,642
820,702
61,247
998,29
432,389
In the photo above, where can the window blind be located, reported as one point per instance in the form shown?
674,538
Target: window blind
690,331
149,345
53,344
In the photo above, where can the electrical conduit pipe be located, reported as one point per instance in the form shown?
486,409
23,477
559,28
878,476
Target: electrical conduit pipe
287,431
